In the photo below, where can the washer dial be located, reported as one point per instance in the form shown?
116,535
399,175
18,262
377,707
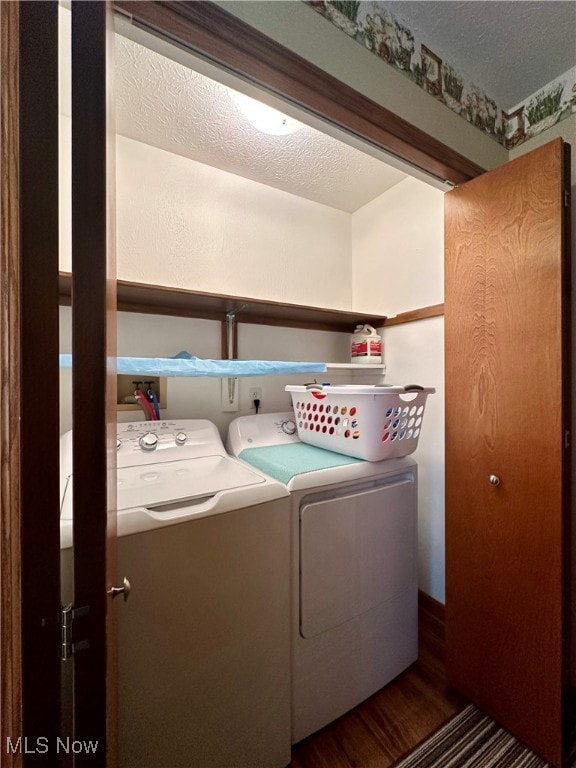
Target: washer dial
288,427
148,441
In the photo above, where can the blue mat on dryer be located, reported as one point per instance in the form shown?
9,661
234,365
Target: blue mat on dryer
283,462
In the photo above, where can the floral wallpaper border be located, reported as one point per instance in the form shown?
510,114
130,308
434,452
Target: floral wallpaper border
372,25
541,110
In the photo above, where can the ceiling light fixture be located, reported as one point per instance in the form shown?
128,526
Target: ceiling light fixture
265,118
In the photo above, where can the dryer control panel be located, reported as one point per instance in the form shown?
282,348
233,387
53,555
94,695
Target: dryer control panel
261,430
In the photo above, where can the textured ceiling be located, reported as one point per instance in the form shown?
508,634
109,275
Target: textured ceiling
509,49
165,104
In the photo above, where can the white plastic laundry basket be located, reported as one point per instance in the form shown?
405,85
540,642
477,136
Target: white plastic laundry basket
368,422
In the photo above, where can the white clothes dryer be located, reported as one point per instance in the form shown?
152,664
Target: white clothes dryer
354,581
204,639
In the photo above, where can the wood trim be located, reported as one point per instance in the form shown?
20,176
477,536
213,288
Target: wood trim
180,302
430,609
106,69
435,310
569,708
39,374
10,401
93,345
432,623
208,29
153,299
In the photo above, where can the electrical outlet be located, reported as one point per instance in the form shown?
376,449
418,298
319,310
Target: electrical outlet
255,394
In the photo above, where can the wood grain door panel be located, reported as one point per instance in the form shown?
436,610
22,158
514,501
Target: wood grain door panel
10,371
505,411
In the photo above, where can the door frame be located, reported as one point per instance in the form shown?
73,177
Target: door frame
29,377
207,29
93,380
10,365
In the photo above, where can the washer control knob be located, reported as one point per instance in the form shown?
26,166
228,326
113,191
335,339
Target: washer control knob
149,441
288,427
181,438
118,443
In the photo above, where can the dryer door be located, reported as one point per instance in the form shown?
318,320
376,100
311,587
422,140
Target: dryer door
357,551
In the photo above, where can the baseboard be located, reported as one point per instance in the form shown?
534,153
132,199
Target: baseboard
431,611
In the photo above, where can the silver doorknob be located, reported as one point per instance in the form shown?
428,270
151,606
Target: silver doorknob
123,590
493,479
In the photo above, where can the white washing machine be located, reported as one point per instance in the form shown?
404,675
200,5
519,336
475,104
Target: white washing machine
204,639
354,581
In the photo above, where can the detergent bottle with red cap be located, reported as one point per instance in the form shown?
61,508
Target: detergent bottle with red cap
366,346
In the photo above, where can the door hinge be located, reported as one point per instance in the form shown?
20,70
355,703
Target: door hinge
67,646
566,198
566,438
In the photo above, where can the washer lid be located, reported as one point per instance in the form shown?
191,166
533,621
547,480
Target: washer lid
152,486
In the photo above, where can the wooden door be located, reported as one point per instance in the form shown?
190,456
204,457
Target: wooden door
29,424
94,382
507,416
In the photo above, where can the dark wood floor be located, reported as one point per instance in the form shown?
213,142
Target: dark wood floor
397,718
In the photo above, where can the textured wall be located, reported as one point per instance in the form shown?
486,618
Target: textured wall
185,224
415,355
398,247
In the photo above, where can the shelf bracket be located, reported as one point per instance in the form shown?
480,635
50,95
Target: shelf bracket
230,334
230,352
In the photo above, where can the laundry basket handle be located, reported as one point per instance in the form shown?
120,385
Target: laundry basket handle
413,388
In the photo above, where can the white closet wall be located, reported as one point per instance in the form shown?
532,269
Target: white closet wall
186,224
398,250
398,264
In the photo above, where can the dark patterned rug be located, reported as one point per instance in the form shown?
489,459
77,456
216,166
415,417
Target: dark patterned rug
471,740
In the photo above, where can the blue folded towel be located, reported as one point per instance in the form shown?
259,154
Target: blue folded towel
185,364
